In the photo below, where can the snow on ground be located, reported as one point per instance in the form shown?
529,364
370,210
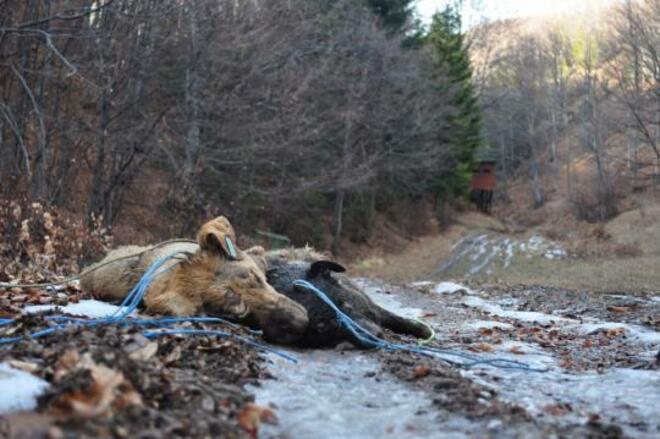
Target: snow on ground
489,324
638,333
632,397
450,288
484,253
19,390
84,308
422,283
387,301
329,394
523,316
334,393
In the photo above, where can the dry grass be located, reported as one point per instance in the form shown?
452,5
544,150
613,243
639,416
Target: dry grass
421,257
612,275
622,255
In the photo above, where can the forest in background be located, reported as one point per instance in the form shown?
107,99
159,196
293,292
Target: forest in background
572,104
324,121
308,118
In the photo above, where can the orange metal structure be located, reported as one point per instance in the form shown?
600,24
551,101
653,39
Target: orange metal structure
483,177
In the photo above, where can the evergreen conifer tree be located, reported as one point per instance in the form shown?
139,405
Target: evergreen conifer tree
447,42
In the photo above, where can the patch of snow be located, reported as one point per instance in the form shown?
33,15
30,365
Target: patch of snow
459,242
84,308
489,324
450,288
509,246
387,301
486,260
535,242
655,299
485,252
335,395
628,397
557,253
421,283
638,333
482,242
523,316
19,390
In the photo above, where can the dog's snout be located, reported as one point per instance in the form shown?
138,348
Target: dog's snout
286,323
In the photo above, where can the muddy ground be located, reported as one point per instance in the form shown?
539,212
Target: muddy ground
599,352
601,378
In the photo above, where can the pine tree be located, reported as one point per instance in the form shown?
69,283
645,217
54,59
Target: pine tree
396,14
448,44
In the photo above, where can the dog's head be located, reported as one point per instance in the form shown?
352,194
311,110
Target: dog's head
239,288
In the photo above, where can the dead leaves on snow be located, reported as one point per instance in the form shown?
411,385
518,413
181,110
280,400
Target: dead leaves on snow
421,371
251,417
96,389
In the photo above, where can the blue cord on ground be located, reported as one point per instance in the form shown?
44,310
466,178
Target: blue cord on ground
164,325
368,339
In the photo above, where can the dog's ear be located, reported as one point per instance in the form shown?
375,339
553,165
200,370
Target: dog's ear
258,255
323,268
218,236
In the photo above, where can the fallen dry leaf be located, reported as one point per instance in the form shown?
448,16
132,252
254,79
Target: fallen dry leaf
481,347
618,309
615,332
173,356
566,363
557,409
251,417
108,390
144,353
66,363
516,350
421,372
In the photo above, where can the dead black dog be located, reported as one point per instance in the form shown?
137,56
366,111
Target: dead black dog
324,330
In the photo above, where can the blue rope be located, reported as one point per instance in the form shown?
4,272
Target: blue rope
153,334
130,303
370,340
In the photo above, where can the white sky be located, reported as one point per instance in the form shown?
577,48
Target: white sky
497,9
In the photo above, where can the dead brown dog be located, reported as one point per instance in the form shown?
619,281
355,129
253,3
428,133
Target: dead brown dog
210,277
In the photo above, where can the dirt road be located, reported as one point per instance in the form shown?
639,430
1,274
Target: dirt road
600,352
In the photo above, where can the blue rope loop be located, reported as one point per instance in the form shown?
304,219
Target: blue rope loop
370,340
164,325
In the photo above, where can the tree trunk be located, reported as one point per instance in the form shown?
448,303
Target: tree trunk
96,202
338,220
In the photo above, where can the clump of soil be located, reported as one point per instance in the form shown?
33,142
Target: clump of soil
451,391
456,394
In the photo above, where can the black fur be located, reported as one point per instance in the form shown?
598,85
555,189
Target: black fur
324,329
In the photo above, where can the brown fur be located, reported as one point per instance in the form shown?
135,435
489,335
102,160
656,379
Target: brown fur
202,279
